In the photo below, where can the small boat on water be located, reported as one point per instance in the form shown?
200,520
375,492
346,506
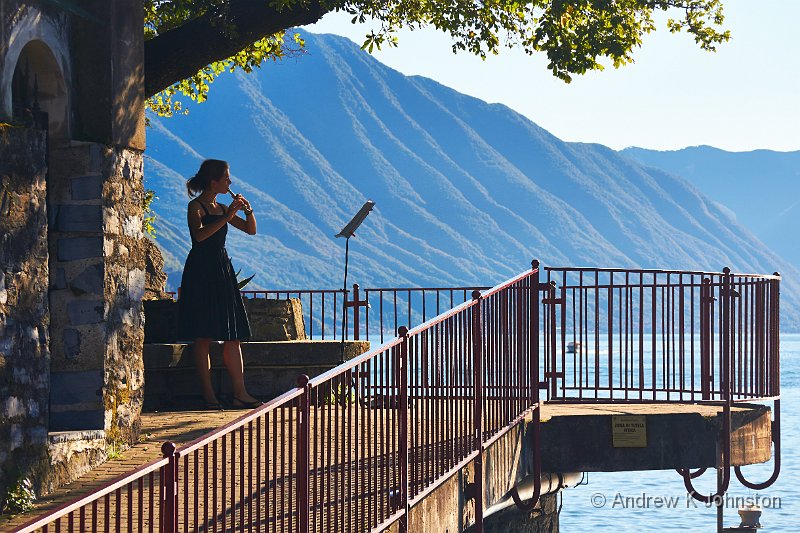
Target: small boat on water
573,346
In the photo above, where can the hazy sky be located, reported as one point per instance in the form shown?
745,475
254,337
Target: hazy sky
743,97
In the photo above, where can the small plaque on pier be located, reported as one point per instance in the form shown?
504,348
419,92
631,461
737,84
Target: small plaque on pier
629,431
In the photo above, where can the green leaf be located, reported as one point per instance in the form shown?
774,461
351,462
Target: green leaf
245,281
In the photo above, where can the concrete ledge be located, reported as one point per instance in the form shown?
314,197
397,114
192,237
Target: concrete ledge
271,368
72,454
578,438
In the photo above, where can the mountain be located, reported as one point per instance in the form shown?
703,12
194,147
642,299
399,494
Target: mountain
761,187
466,192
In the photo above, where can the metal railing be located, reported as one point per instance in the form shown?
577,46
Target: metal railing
352,449
356,447
615,335
389,308
660,335
324,310
131,502
336,313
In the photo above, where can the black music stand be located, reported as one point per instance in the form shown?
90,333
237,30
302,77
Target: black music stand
350,231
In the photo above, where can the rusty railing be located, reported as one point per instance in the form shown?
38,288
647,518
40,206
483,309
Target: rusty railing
357,447
660,335
352,449
324,310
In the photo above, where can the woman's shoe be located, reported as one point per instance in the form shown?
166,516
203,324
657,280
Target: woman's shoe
241,404
213,406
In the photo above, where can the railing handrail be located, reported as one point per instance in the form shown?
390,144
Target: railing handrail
116,483
658,271
267,407
376,289
293,291
352,363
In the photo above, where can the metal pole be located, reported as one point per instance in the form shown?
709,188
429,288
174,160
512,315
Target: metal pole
303,455
356,314
346,259
401,372
169,515
477,355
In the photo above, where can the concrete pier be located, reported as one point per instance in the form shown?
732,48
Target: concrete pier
578,438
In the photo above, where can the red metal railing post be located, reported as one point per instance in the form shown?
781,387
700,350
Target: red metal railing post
706,301
401,372
356,313
303,455
477,366
534,332
726,336
775,322
551,297
169,483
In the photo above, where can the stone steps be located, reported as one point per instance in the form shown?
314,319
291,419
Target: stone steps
271,368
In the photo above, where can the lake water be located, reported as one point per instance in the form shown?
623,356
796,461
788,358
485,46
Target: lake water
627,501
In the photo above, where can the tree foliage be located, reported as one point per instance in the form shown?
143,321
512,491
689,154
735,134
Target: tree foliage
163,16
190,42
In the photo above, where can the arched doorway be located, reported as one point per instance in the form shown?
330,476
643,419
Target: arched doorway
39,95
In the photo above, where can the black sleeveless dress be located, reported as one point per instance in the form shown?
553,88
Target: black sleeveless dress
210,304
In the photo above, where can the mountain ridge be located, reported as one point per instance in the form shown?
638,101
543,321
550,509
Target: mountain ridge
466,192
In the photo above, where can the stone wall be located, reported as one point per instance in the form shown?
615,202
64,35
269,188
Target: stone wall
98,251
24,356
72,257
124,254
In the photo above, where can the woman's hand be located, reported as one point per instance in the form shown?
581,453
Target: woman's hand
248,225
235,206
245,204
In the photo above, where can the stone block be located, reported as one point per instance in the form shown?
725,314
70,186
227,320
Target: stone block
79,218
89,281
16,437
136,284
87,188
74,420
156,279
14,407
74,248
132,227
76,400
76,388
72,343
61,279
275,320
85,311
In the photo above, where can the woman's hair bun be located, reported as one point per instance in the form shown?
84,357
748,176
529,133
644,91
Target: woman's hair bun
210,170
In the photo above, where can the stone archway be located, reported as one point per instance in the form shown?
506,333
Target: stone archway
39,94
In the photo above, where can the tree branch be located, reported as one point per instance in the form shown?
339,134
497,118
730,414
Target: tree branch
182,51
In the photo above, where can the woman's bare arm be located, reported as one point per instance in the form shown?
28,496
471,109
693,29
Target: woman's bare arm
202,232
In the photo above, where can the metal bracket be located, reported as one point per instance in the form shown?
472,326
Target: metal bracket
557,301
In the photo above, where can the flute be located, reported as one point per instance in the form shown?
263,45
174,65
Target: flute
246,211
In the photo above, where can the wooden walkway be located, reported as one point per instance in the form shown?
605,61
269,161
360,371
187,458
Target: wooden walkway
179,427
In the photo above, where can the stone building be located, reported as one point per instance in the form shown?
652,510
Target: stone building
72,266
